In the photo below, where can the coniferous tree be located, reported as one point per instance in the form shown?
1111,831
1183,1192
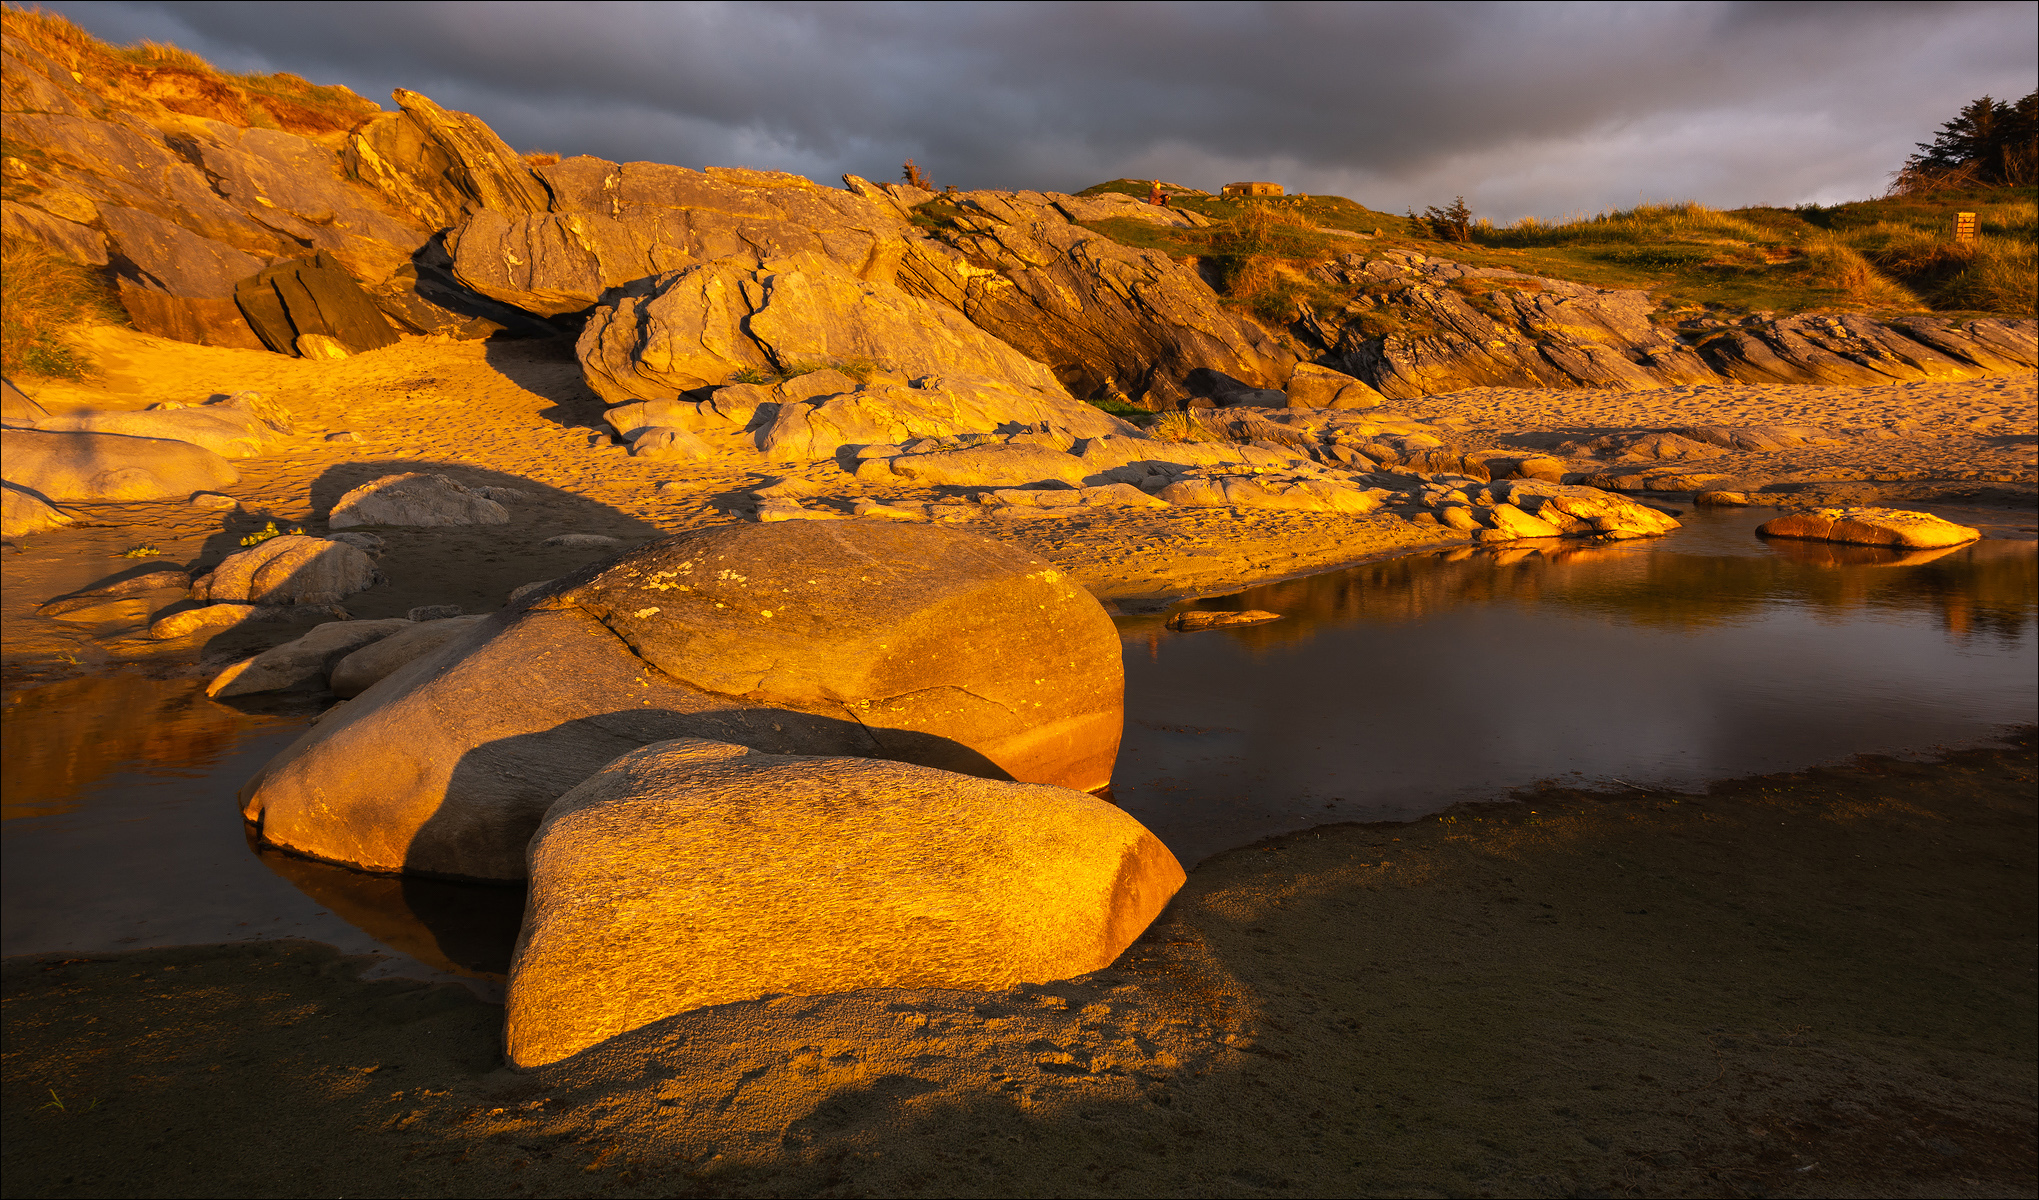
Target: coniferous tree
1988,142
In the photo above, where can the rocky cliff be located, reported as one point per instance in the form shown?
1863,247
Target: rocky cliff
234,219
1418,325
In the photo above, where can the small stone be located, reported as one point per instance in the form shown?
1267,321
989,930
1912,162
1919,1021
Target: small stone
433,612
670,488
320,346
1722,499
345,435
366,542
582,541
213,500
523,589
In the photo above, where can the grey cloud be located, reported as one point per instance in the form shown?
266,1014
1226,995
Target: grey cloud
1522,108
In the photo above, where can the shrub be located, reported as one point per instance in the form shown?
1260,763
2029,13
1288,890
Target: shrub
1833,263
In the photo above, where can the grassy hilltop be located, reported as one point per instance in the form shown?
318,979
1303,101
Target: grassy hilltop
1888,255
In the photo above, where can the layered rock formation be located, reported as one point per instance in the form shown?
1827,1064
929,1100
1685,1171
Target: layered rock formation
1420,325
1110,320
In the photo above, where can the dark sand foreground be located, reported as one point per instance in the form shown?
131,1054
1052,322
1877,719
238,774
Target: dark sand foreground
1819,984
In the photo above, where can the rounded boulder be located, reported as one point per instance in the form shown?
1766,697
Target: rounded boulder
856,638
693,873
1897,527
69,467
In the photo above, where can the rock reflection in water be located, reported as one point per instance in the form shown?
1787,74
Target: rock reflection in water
462,928
60,738
1400,687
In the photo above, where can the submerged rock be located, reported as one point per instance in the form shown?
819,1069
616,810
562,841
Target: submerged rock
1197,619
691,873
1871,527
863,638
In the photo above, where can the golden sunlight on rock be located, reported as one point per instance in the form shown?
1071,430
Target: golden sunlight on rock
861,638
692,873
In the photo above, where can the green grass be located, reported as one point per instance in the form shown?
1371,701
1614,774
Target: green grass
1891,255
1885,256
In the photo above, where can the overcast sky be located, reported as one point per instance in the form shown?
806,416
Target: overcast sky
1525,109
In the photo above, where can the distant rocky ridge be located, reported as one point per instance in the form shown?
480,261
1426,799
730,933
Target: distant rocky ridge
219,233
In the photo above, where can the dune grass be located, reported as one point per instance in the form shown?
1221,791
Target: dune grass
44,297
1894,254
151,76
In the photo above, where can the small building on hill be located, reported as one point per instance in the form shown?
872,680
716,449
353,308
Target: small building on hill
1241,191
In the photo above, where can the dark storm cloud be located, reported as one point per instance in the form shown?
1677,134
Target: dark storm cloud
1522,108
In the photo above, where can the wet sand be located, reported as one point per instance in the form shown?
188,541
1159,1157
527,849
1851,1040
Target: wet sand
1817,984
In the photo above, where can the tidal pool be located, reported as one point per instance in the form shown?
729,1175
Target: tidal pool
1388,690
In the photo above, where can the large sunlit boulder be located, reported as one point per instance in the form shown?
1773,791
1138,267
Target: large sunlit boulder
853,638
691,873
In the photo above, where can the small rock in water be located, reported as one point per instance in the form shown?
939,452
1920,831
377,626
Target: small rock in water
524,588
345,435
581,541
213,500
1196,619
1871,527
433,612
1722,499
670,488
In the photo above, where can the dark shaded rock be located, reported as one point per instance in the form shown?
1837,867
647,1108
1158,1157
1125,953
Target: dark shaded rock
312,296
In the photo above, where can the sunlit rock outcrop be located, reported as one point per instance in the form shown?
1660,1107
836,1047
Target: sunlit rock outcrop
693,873
835,638
1902,528
77,467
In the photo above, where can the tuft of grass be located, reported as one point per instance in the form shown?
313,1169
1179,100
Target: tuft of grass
268,531
145,550
44,298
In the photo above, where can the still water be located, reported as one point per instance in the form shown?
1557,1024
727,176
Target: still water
1388,691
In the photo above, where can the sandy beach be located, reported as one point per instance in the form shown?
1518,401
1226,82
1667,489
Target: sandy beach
1815,984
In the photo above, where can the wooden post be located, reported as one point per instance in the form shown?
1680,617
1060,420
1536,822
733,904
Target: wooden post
1964,227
